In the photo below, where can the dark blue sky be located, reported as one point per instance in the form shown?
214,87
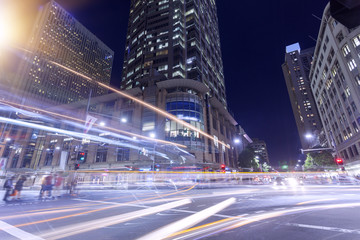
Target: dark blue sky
253,38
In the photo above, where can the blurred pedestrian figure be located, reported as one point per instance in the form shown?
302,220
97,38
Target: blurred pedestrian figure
8,186
18,187
73,186
48,185
58,185
42,189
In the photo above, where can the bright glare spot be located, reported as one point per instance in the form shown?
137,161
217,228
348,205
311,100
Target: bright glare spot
134,138
292,182
57,148
308,136
123,120
102,124
152,135
7,28
236,140
8,139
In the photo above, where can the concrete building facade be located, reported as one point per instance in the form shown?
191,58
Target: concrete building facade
335,82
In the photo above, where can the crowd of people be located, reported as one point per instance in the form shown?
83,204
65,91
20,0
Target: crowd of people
51,187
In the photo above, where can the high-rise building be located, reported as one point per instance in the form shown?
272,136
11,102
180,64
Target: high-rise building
173,54
260,150
335,82
177,38
296,73
59,39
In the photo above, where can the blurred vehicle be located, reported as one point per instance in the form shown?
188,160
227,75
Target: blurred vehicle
279,181
348,180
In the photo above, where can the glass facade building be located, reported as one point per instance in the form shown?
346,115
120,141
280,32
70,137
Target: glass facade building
177,38
58,42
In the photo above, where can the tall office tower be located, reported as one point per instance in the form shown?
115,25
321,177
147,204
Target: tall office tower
57,40
296,71
335,82
260,150
177,38
173,54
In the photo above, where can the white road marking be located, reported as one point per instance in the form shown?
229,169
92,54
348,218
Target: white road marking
17,232
334,229
202,205
187,222
279,208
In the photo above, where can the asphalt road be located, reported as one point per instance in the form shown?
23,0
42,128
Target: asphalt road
244,212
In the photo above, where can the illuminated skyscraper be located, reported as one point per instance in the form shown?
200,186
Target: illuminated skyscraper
296,72
173,54
177,38
58,37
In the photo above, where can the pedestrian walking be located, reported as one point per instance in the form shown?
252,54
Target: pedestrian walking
8,186
42,189
18,188
58,185
48,185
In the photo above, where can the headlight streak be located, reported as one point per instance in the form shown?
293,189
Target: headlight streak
105,208
187,222
83,121
108,221
251,219
69,133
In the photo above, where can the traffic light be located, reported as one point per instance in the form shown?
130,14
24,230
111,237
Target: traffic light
222,167
339,161
81,156
77,166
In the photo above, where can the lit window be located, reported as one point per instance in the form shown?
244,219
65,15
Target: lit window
346,50
356,41
352,64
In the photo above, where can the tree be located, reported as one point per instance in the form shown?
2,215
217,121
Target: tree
265,167
320,159
309,162
247,159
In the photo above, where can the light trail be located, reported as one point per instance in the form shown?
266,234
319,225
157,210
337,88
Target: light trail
12,104
318,200
158,110
104,222
104,208
161,112
232,223
187,222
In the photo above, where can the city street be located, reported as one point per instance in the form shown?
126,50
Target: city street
239,212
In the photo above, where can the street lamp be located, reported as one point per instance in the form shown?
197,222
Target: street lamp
236,140
309,136
152,135
102,124
123,120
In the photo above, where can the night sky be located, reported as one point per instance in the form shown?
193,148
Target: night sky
253,36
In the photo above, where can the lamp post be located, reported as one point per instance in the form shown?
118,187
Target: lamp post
310,139
153,135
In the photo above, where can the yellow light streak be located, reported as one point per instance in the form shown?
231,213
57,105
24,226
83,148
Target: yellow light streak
158,110
318,200
161,112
